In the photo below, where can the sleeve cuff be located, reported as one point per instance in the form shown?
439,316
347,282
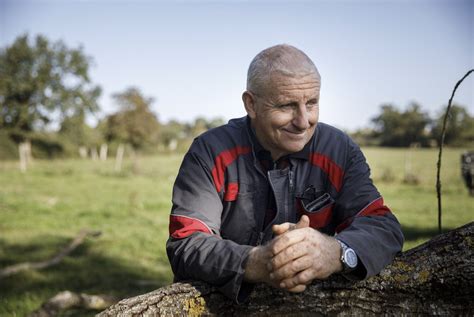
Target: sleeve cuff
360,272
236,289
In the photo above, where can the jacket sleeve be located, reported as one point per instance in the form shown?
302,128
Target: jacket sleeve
195,248
365,223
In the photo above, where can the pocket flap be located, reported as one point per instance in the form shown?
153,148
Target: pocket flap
319,203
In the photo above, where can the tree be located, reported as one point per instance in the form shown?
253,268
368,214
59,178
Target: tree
395,128
75,130
172,132
459,129
42,80
201,125
435,278
365,137
134,123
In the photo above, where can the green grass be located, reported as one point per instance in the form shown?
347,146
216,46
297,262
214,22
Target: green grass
416,206
43,209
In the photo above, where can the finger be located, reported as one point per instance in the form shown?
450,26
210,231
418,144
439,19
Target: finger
302,278
291,253
287,239
289,270
297,289
282,228
303,223
288,226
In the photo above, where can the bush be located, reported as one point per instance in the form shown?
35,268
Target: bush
44,145
411,179
387,176
8,148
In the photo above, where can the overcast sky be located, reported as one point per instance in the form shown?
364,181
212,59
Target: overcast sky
192,56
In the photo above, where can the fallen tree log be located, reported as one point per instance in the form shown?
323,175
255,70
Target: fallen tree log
436,277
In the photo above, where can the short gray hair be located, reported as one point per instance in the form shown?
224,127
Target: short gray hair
284,59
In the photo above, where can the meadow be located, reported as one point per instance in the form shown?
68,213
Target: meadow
43,209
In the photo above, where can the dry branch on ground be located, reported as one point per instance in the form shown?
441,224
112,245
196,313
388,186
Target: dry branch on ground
66,300
78,240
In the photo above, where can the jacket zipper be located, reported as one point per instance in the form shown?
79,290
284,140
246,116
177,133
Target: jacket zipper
290,181
261,235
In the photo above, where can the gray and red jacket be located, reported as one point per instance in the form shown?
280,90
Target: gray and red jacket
221,192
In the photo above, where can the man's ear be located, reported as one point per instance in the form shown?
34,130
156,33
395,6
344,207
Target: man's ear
249,103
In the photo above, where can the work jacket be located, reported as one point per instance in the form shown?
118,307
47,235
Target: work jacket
220,196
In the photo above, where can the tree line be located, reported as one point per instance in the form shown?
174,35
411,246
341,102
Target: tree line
44,82
394,127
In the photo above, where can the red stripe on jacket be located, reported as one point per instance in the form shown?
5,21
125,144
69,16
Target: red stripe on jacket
231,191
334,171
223,160
182,227
375,208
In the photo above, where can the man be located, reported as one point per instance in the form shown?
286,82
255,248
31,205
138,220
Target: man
277,197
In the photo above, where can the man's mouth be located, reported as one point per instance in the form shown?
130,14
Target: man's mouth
295,132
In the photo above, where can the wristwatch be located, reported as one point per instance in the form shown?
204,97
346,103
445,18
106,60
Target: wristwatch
348,258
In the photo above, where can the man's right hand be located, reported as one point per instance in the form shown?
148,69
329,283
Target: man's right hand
281,229
288,226
303,255
258,266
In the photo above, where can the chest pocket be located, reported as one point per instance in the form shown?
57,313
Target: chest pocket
317,205
237,220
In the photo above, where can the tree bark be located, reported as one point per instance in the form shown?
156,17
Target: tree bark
434,278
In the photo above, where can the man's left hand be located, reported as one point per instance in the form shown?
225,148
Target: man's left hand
302,254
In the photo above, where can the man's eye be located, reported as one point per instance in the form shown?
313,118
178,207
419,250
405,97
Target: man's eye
285,106
311,104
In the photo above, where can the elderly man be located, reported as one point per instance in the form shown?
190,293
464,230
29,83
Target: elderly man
277,197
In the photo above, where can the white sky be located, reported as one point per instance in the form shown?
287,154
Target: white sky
192,56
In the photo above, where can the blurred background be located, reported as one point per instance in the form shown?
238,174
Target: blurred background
99,100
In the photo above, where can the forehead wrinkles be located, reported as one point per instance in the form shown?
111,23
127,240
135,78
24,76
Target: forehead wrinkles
303,81
285,88
297,86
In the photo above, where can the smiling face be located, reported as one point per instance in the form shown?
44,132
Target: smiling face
285,113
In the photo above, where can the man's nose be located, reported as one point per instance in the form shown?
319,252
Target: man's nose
301,118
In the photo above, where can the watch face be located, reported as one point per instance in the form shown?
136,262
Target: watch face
350,258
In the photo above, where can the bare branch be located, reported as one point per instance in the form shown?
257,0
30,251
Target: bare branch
78,240
441,142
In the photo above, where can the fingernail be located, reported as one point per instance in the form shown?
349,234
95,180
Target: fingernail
272,276
282,285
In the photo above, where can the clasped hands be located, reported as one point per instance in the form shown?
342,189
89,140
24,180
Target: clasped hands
294,258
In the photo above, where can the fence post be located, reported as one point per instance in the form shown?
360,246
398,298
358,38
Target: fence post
23,159
119,158
83,152
103,152
94,155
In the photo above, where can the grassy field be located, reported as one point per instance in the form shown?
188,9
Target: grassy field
43,209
